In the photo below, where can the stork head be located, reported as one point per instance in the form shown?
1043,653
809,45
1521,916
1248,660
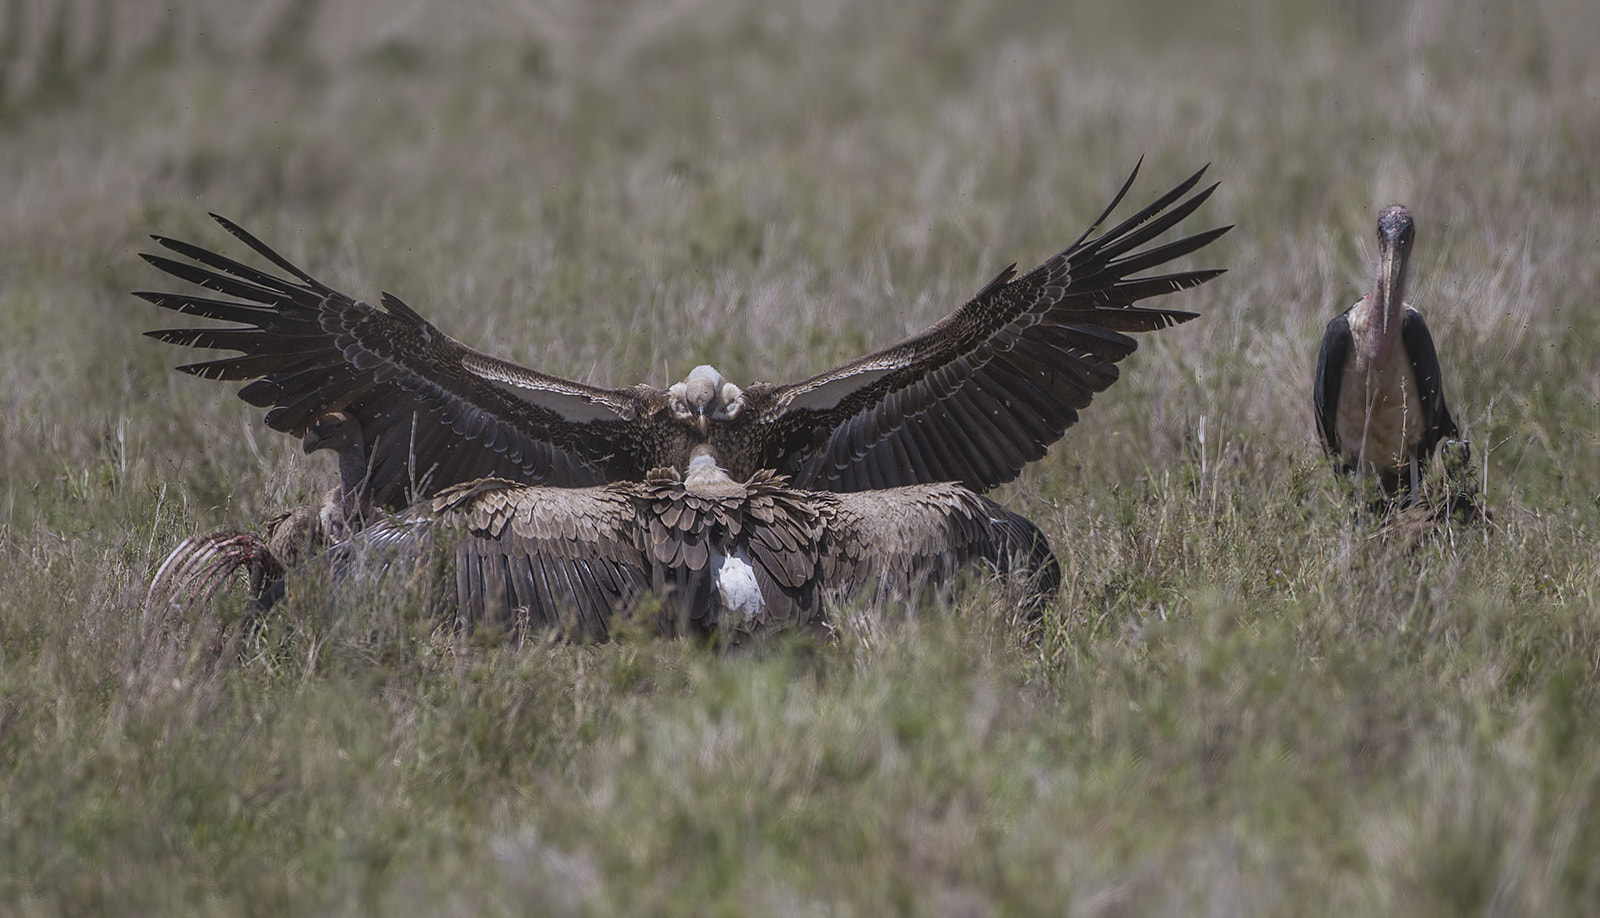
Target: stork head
1396,231
705,396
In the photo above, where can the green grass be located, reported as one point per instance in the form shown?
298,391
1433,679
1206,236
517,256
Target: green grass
1243,701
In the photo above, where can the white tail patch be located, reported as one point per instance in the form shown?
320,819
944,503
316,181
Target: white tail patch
736,584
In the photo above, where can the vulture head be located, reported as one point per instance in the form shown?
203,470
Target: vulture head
335,430
704,396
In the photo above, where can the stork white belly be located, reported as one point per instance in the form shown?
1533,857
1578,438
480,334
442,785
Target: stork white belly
1373,424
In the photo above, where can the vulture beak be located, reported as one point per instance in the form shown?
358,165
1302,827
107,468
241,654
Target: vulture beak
700,395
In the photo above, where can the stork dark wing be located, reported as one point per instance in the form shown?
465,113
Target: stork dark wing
1419,347
1331,358
992,385
890,541
433,412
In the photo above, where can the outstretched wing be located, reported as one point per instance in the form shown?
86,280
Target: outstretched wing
564,558
992,385
893,540
433,412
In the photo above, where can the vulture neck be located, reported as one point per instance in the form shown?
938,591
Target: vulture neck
708,479
348,504
352,475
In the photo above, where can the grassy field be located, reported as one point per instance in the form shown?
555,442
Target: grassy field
1244,701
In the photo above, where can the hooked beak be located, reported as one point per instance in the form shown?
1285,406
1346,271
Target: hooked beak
315,439
701,419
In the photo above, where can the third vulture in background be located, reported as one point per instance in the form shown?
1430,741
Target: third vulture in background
970,400
1379,393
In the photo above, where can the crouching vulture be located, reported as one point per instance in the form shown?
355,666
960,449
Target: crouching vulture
722,556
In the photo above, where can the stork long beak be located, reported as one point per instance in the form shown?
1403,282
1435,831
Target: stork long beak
1389,265
1393,273
1389,291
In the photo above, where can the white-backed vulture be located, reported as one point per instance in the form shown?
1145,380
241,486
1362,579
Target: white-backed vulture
971,400
1379,392
721,556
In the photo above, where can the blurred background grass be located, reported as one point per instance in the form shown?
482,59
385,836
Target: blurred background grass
1242,701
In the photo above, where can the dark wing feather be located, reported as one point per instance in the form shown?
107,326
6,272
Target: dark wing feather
783,530
432,411
1331,360
1036,347
1430,382
1017,547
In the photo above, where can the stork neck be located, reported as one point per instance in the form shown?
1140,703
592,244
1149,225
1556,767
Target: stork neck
1385,312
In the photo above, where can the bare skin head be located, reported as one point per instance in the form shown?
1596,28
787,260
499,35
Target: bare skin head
706,396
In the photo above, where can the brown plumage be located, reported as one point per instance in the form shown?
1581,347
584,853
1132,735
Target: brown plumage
720,556
971,399
887,542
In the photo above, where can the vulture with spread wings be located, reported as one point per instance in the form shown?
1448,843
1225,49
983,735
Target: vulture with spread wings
723,557
971,400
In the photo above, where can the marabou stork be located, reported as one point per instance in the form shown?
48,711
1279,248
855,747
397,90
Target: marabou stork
1379,394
